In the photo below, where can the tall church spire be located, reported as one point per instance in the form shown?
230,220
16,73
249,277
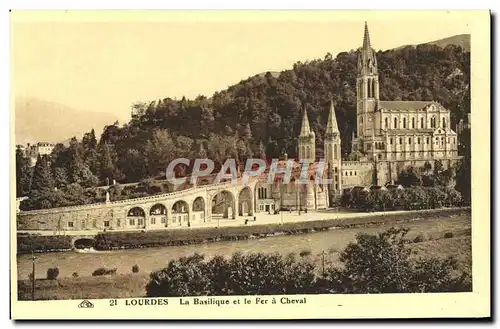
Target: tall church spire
331,126
367,61
306,129
366,38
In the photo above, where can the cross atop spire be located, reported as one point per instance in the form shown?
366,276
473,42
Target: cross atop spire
306,129
331,126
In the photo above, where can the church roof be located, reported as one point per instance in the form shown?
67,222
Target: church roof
404,105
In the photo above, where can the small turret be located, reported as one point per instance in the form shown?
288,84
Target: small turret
307,141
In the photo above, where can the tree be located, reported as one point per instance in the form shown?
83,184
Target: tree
42,177
106,163
409,178
23,174
383,263
78,171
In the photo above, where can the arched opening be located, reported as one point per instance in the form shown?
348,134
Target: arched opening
204,181
373,88
369,88
395,123
180,213
158,215
136,218
199,212
245,202
84,243
223,205
404,123
444,123
386,123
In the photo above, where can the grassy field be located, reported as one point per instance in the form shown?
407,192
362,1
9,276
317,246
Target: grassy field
125,284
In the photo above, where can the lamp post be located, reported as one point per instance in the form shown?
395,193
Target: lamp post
33,273
323,262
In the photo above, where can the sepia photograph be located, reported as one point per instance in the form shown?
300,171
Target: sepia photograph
195,164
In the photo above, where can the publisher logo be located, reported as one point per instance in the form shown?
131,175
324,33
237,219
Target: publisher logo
85,304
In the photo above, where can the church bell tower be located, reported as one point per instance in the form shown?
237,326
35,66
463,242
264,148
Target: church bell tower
333,156
367,87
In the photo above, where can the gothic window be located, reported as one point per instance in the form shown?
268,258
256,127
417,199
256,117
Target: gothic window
335,151
409,140
444,123
413,123
373,87
303,151
422,123
308,152
391,140
386,123
361,120
404,123
395,123
427,142
418,140
400,140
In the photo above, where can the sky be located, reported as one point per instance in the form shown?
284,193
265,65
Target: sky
106,61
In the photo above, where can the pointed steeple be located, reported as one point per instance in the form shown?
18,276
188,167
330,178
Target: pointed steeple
367,61
366,39
306,129
331,126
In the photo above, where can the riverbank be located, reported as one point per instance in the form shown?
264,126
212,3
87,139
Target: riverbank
178,237
133,284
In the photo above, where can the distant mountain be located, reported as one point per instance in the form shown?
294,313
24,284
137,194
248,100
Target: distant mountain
462,40
40,120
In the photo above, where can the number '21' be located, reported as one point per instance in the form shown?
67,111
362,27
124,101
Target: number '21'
113,302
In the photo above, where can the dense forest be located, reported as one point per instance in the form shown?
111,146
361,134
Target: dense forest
258,117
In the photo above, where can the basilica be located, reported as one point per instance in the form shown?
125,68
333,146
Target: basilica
390,136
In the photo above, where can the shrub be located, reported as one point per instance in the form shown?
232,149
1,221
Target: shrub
448,235
419,238
305,252
135,268
172,282
411,198
42,243
52,273
241,275
75,274
382,264
104,271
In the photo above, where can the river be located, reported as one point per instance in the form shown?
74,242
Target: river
149,259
